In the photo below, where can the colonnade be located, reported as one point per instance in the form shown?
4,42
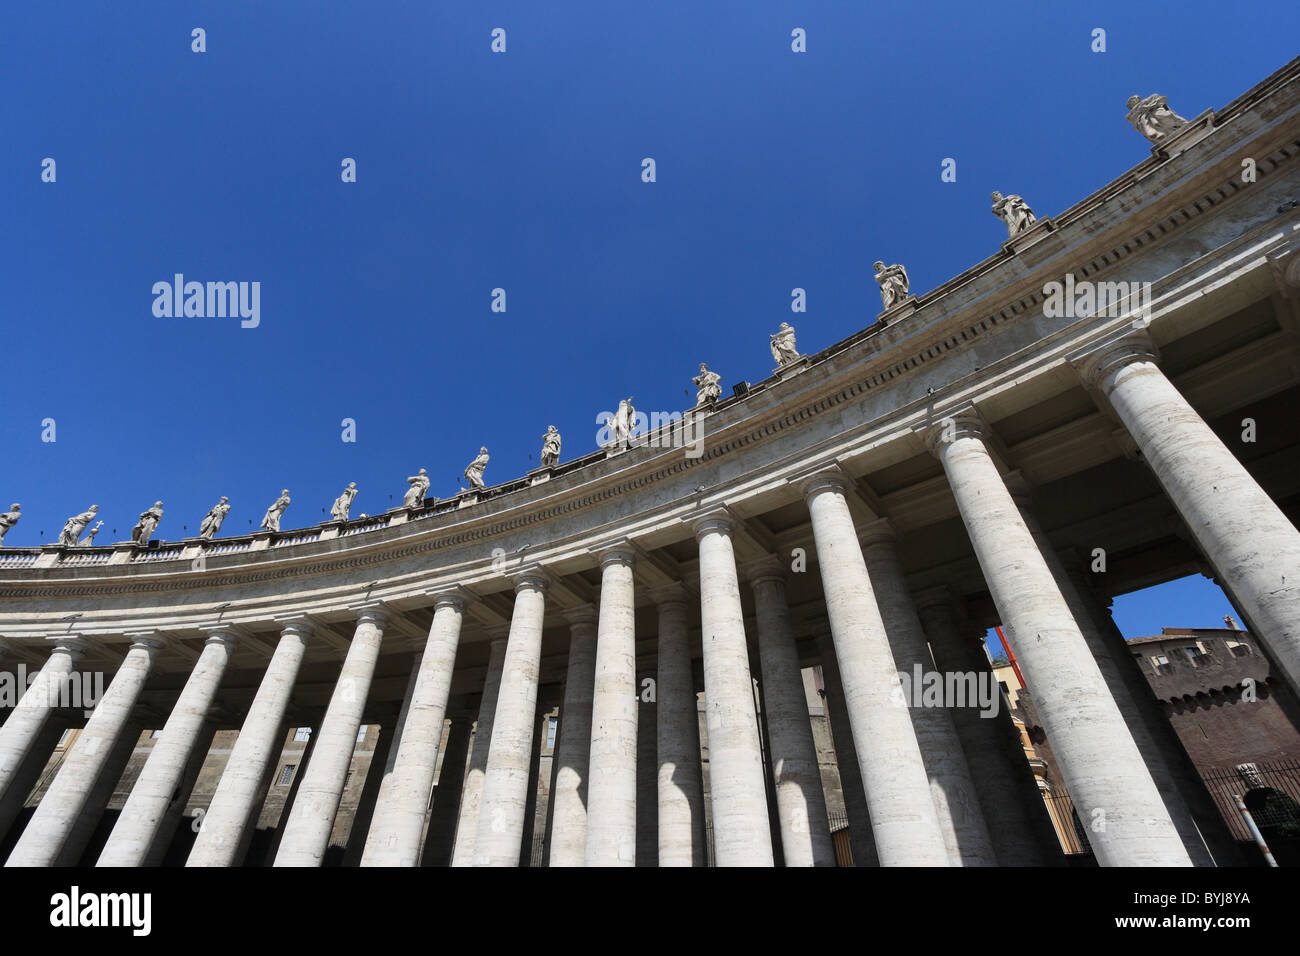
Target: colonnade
929,786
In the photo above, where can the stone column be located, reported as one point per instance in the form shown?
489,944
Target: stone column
472,792
862,843
647,765
742,833
611,790
138,824
311,818
253,755
1017,819
903,819
965,833
1253,546
171,820
66,798
24,723
1104,772
369,799
29,771
569,794
441,831
397,829
680,784
505,784
801,804
97,799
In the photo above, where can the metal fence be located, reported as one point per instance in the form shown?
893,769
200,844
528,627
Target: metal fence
1271,791
1069,828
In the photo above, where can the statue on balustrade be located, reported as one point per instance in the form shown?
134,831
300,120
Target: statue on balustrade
343,503
784,351
89,540
474,471
212,520
9,518
414,497
271,520
708,384
73,527
1152,117
1014,211
147,524
621,425
550,447
893,284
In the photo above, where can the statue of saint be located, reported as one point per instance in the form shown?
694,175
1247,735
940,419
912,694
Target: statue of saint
9,518
621,425
89,540
893,284
782,344
474,471
73,527
414,497
708,385
343,503
1153,118
212,520
147,524
550,447
271,520
1014,211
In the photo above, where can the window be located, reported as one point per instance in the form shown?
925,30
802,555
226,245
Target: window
551,724
361,732
286,774
302,733
1195,655
1161,664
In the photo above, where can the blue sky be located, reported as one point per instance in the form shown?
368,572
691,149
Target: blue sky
519,170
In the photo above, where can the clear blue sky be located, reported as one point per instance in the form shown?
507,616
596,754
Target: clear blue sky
519,170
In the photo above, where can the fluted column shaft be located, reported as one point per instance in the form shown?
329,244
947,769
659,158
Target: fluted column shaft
742,834
252,757
1106,776
569,792
965,833
25,721
138,824
805,830
397,828
505,784
471,797
66,798
903,819
611,791
680,786
1246,536
311,819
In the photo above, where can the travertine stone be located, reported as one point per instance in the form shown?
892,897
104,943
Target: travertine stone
569,793
903,819
862,844
742,833
471,797
253,755
680,788
397,827
501,818
140,822
611,791
56,814
1112,789
23,725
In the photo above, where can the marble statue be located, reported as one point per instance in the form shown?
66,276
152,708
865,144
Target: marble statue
1014,211
621,425
89,540
708,385
9,518
550,447
212,520
73,527
271,520
893,284
474,471
1153,118
343,503
414,497
782,344
147,524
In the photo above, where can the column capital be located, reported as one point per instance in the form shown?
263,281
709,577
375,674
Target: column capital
618,552
299,624
232,632
222,635
713,521
451,595
1019,488
877,533
945,428
938,595
532,577
764,569
674,593
497,632
1097,362
372,612
826,477
73,644
580,616
150,640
